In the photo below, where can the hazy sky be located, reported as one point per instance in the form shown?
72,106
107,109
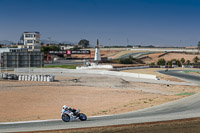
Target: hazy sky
113,22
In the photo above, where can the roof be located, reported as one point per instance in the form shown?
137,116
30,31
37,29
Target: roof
32,32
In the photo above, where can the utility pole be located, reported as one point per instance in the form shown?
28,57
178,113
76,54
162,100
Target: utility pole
127,42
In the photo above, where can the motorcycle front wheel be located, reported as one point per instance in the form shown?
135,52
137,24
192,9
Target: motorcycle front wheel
82,117
65,117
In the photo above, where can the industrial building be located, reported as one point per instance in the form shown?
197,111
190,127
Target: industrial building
16,58
31,40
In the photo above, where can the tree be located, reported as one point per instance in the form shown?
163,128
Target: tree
84,43
128,60
178,62
161,62
0,46
152,64
188,62
182,60
75,48
174,62
45,49
195,59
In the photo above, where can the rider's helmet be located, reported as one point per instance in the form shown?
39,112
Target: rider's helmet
65,107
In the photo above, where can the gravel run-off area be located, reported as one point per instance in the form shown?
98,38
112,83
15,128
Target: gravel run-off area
92,94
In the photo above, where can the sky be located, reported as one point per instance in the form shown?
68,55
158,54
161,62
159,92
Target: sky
113,22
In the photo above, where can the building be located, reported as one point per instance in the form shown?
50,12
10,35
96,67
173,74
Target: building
31,41
16,58
66,47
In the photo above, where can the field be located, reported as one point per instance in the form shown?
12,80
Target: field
99,95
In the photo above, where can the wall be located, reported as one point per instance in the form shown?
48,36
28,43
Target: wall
101,72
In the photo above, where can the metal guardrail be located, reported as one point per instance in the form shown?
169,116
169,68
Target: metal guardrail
129,68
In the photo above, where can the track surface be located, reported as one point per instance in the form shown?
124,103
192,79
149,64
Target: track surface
180,74
184,108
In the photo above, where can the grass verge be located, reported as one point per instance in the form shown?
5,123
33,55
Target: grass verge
185,94
62,66
192,72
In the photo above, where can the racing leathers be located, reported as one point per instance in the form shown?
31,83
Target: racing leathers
70,110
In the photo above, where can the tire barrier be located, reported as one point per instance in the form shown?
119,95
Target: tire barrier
8,76
43,78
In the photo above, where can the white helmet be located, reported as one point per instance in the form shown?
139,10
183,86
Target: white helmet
65,106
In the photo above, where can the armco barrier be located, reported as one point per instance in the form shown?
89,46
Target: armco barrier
101,72
129,68
95,66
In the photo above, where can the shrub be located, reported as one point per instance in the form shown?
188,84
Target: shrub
152,64
196,59
182,60
177,62
126,61
161,62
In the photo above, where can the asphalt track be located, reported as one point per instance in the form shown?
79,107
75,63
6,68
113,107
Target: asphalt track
180,74
184,108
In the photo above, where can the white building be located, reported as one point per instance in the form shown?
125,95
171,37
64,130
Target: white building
66,47
31,40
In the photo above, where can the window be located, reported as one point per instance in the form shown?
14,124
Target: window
29,41
28,35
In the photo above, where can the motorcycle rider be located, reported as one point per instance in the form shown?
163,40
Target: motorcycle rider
66,108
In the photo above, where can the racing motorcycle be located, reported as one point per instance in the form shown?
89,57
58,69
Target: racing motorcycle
69,115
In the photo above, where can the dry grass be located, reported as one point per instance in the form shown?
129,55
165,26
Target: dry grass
169,56
21,101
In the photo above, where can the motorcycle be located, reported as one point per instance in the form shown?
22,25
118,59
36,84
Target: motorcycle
68,115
